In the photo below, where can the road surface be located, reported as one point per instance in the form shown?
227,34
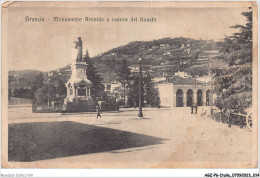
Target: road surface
165,137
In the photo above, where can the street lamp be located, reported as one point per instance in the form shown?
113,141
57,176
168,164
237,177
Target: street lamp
48,80
140,114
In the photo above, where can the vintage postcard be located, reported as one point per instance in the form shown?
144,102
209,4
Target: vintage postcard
129,84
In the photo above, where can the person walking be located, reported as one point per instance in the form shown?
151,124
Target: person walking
227,113
196,109
98,111
192,109
100,105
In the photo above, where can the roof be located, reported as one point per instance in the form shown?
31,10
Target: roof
109,77
184,81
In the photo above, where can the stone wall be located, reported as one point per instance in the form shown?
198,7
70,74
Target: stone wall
166,94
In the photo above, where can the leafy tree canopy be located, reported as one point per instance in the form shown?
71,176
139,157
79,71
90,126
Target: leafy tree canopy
97,89
123,75
234,85
150,95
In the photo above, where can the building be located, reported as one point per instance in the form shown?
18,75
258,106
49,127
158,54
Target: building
183,92
164,45
182,74
110,83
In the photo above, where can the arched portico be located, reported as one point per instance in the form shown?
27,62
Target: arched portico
189,97
185,95
208,97
179,98
199,98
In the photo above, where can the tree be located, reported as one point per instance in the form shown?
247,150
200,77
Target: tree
24,93
97,89
61,90
38,82
150,95
234,85
133,92
45,95
123,73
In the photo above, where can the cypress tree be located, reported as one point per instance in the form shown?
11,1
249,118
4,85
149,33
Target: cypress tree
97,89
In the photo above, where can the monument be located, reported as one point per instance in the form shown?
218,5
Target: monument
78,86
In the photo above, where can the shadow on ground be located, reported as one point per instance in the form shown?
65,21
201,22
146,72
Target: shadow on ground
47,140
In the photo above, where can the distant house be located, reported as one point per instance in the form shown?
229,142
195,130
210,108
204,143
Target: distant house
167,53
110,83
188,50
164,45
182,74
50,74
134,69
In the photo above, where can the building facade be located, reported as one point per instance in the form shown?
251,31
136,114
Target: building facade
174,94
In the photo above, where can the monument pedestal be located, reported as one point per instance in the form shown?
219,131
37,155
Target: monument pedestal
79,88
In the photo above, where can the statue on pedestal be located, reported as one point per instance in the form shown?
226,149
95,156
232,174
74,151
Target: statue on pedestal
78,86
78,46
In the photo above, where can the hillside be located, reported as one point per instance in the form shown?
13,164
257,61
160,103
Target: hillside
23,79
163,57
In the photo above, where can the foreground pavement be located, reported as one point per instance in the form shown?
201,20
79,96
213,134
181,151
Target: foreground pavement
185,140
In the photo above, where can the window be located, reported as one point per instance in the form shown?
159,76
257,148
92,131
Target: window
82,92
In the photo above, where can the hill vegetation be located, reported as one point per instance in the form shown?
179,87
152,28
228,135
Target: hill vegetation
161,57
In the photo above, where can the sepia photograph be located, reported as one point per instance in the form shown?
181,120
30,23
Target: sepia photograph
129,84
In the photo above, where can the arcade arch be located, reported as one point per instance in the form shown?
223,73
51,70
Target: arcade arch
189,97
199,98
208,93
179,98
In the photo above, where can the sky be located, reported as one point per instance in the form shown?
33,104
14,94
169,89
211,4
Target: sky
48,45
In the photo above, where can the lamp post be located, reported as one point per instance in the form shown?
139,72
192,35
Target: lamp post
48,80
140,114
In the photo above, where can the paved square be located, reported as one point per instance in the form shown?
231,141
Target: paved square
166,137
